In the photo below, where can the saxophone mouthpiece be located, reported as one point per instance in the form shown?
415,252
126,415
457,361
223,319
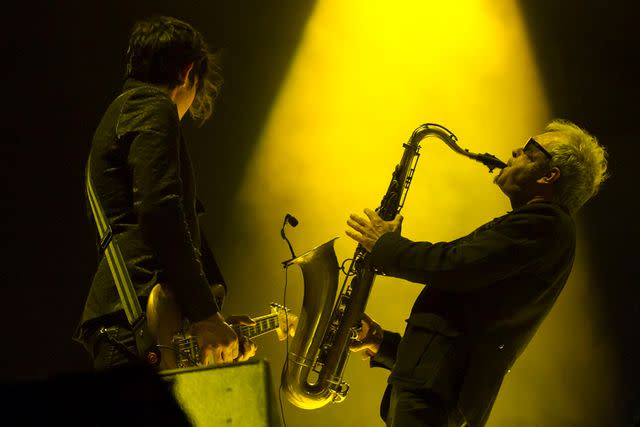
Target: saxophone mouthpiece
491,161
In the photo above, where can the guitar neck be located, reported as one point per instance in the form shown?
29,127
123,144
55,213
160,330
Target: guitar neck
264,324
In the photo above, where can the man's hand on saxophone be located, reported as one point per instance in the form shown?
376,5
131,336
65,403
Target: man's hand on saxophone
368,230
369,337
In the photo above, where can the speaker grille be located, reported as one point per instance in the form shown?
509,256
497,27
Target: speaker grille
238,395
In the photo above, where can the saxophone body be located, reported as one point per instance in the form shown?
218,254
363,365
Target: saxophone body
313,374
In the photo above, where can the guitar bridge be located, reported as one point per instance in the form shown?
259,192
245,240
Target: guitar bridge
187,351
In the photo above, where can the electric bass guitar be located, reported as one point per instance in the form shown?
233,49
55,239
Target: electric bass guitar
179,349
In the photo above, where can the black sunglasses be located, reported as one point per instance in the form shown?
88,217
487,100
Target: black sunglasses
533,143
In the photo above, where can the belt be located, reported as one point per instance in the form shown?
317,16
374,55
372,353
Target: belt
96,335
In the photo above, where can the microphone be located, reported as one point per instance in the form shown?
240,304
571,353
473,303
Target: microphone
292,221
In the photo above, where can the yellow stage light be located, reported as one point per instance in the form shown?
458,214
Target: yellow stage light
365,75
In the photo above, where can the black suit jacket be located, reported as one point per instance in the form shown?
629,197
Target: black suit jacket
143,177
487,294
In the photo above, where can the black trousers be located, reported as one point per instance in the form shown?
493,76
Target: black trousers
123,390
419,408
111,347
425,381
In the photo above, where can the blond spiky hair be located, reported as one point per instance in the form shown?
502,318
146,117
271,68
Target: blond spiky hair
582,162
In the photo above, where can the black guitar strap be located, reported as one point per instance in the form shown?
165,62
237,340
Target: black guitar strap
136,317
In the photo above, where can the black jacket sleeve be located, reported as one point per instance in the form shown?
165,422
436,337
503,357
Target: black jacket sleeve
490,254
211,269
386,356
154,161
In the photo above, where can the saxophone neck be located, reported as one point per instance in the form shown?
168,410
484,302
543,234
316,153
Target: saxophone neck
433,129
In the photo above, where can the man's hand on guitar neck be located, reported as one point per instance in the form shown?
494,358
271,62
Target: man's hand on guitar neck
217,340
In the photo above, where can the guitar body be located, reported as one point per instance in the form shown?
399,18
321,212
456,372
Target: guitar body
164,319
178,348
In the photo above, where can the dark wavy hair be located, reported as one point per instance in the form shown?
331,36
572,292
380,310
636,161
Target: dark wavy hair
159,49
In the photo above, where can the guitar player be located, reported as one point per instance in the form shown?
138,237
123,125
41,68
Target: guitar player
143,178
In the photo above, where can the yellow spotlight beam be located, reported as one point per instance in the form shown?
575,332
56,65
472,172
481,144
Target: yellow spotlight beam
366,74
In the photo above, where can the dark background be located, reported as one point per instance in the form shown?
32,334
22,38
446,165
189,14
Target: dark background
65,64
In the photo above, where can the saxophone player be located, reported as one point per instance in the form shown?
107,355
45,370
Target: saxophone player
488,291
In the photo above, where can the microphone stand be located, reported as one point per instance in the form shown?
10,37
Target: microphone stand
293,222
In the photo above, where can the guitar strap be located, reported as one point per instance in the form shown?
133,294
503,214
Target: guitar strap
145,343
